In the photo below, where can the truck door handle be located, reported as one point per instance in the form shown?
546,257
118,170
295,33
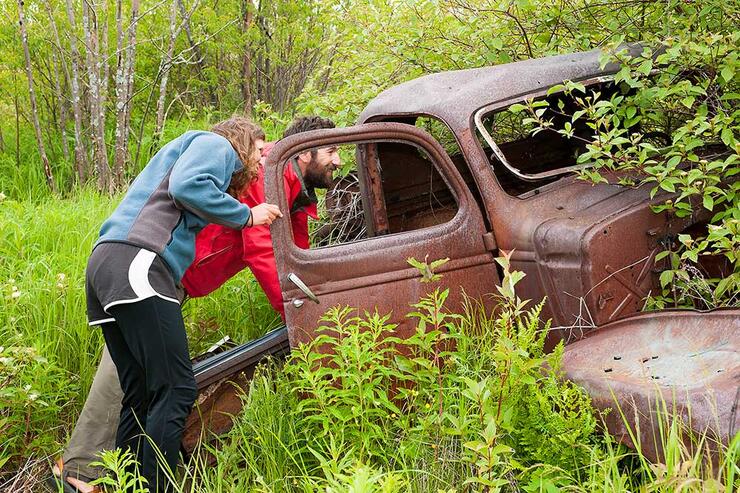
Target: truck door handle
302,286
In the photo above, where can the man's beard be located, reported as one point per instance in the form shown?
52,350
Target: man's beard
317,177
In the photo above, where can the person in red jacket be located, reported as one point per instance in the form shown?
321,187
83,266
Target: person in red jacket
220,253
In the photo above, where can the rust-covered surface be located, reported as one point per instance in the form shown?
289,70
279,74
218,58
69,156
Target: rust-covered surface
454,96
685,362
589,249
373,274
222,380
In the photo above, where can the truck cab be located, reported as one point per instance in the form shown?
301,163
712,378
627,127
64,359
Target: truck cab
439,168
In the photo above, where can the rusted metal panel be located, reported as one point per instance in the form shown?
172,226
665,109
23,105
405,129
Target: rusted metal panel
388,293
568,236
454,96
373,274
222,379
653,367
371,188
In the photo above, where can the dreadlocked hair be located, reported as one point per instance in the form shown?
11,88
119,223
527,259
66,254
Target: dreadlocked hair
242,135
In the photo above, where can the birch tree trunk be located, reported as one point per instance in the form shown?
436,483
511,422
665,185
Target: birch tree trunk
246,81
32,95
97,111
124,74
81,163
119,159
104,68
165,67
60,100
130,67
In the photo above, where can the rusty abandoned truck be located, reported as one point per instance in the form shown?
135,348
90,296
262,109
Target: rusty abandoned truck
485,185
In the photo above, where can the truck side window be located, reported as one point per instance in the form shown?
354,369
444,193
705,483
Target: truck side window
398,189
533,153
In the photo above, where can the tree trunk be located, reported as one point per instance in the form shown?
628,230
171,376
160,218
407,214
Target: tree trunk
97,112
32,95
164,71
121,84
246,81
124,74
62,104
104,69
199,57
81,163
131,67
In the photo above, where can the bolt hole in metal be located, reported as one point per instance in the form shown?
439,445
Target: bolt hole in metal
668,369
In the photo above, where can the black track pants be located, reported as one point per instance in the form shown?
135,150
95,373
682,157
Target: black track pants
148,344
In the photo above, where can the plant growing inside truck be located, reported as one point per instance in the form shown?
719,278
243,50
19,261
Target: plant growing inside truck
668,129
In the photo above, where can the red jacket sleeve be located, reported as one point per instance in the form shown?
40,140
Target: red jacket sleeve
222,252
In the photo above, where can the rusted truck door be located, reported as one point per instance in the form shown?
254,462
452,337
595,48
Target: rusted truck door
403,217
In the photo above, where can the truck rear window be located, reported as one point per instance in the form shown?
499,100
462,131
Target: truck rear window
534,153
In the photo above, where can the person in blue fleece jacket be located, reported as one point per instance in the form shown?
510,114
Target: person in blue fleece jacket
133,279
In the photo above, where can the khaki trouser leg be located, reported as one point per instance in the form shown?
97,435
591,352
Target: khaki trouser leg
97,425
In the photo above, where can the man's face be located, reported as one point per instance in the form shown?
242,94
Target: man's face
321,167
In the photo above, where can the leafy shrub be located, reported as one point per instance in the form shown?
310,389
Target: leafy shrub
673,125
33,391
467,403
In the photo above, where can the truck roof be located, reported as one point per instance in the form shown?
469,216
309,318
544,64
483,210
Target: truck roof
454,96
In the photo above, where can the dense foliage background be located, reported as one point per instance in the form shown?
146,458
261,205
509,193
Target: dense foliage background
89,89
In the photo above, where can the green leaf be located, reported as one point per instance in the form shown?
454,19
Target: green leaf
665,278
708,202
662,255
516,108
728,72
668,186
727,136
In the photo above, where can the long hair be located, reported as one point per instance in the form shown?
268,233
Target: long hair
242,135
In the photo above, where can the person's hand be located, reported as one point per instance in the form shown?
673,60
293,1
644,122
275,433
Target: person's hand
263,214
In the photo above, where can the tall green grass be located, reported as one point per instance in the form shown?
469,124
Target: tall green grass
44,246
467,406
22,173
483,414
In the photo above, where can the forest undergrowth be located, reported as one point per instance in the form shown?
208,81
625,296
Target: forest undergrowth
471,402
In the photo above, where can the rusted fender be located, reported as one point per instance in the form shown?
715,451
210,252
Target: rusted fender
222,380
653,367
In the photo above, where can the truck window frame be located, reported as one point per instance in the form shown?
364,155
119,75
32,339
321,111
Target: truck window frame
546,177
438,230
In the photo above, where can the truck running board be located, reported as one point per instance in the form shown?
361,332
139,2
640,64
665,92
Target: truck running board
222,379
240,358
